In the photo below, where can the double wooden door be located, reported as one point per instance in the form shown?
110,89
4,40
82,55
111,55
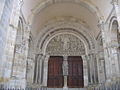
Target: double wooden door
75,72
55,73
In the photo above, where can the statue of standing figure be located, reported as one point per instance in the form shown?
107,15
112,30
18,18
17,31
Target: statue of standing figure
65,68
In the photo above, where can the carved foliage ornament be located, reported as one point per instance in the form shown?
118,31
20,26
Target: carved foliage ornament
65,44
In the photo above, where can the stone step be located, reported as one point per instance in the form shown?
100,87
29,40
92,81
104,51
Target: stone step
66,89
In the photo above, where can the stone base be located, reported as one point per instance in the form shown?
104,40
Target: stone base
15,84
67,89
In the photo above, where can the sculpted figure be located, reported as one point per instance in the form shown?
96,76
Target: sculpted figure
65,68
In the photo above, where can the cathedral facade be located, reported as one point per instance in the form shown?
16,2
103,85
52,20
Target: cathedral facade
59,44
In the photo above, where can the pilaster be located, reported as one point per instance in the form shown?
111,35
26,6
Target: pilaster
103,28
45,71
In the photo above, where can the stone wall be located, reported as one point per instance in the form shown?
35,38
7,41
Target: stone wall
20,69
5,14
13,69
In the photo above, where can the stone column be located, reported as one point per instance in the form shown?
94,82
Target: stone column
116,6
95,64
37,69
91,69
40,69
89,74
85,70
65,71
45,71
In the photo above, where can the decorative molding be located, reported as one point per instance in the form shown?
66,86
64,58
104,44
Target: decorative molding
63,26
65,45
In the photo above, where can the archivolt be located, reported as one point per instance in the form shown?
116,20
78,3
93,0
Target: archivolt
57,28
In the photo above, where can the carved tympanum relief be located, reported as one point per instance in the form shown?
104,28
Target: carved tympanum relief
65,44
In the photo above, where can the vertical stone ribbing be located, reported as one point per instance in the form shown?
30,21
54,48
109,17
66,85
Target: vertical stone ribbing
5,15
45,71
65,71
116,6
103,28
85,70
91,69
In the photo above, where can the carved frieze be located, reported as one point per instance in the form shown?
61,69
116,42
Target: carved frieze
65,44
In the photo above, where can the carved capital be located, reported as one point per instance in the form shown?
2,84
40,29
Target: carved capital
65,58
114,2
101,24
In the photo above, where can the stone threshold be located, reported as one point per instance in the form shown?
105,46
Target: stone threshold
66,89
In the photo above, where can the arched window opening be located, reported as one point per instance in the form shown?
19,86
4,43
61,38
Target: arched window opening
115,33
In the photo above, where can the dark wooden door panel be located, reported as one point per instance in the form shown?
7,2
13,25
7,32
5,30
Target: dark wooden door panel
75,70
55,73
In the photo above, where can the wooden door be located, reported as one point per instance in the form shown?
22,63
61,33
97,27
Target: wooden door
75,72
55,73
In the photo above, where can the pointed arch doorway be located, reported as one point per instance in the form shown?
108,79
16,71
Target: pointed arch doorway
56,77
